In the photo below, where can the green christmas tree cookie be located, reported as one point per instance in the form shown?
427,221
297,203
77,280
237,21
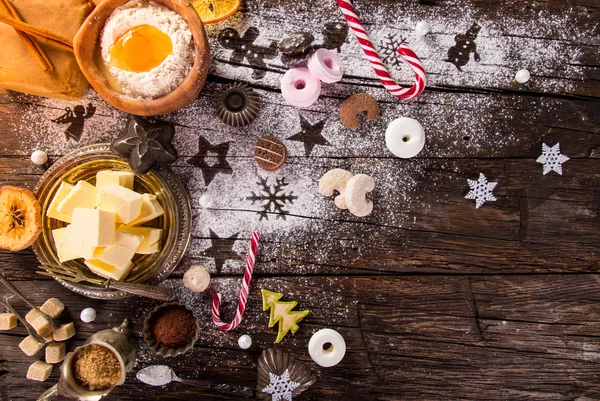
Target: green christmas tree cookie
282,313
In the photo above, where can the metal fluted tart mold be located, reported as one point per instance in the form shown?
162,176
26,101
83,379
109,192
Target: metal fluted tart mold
238,105
277,362
154,345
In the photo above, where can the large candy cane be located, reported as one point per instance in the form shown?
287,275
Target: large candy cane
239,315
371,53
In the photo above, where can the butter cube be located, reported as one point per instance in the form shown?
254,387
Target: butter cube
90,228
39,371
106,178
82,195
151,241
55,352
53,307
151,209
8,321
108,271
120,254
42,325
64,332
60,239
30,346
61,194
124,203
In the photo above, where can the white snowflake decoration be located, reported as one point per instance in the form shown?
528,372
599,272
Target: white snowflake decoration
281,387
552,159
481,190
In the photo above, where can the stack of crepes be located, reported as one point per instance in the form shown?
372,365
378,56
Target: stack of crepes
31,61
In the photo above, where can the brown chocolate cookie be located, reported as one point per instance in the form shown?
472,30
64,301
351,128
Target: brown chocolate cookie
270,153
356,104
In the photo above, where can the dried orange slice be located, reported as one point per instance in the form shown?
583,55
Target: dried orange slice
211,11
20,218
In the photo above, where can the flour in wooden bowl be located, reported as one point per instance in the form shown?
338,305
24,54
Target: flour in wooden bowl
148,49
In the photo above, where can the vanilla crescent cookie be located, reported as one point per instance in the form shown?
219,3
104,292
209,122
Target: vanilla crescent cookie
335,180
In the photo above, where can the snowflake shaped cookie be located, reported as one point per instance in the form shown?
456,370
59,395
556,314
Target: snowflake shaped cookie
481,190
552,159
281,387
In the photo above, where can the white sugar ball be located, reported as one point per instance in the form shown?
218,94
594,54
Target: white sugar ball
88,315
245,341
196,278
39,157
522,76
206,201
422,28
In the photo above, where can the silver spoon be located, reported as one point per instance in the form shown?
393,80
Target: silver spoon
160,375
29,328
15,291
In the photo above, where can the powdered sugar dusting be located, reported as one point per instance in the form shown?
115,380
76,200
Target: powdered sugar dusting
506,44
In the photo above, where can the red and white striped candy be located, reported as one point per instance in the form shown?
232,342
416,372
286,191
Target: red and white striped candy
371,53
239,315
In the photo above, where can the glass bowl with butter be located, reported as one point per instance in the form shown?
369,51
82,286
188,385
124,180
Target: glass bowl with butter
138,230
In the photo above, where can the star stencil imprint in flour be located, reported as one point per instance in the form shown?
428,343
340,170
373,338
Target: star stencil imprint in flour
221,249
199,159
281,387
481,190
272,198
310,135
552,158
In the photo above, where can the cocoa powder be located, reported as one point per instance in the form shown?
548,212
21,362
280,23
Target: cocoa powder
174,327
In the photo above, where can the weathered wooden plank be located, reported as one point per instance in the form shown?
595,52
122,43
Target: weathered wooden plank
456,125
421,220
556,41
493,337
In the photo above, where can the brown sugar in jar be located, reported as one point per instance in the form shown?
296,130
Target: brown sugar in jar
96,367
174,327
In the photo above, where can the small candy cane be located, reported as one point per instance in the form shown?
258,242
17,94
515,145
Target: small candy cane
239,315
371,53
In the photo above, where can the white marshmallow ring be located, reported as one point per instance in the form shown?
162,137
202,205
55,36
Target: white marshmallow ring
299,88
326,66
405,137
331,355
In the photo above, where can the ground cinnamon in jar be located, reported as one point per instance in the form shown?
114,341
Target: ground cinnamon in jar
174,326
96,367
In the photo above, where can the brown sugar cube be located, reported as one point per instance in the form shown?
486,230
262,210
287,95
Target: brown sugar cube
30,346
39,370
42,325
31,316
8,321
55,352
53,307
49,338
64,332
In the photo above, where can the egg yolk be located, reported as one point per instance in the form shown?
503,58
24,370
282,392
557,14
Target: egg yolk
140,49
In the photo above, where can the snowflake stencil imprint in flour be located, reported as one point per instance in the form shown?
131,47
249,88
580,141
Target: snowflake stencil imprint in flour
281,387
481,190
552,159
272,198
388,50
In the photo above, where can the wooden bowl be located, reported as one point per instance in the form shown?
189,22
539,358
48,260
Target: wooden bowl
87,40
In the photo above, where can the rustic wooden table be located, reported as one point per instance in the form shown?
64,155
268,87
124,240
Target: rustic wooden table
436,299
